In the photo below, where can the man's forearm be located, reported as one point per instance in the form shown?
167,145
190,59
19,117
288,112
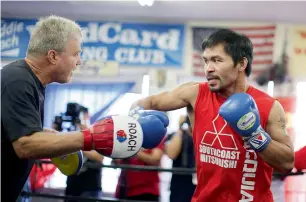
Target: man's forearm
279,156
174,146
94,156
147,158
48,145
145,103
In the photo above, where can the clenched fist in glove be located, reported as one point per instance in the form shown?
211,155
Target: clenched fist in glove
123,136
241,112
155,124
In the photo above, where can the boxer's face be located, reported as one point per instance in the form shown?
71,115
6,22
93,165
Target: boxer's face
219,68
69,59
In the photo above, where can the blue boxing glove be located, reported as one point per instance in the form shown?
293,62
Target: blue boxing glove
154,125
241,112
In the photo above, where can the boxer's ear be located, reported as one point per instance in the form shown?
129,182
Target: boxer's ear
242,64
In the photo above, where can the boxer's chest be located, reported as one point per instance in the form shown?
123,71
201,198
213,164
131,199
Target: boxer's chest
215,141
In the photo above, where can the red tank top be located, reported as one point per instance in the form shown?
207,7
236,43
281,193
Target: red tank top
227,169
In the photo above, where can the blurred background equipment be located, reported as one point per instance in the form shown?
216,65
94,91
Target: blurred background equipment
68,121
161,77
277,72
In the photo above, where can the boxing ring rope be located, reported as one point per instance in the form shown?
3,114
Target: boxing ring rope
180,171
75,198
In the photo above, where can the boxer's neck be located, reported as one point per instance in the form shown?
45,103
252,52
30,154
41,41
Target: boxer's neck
40,69
239,86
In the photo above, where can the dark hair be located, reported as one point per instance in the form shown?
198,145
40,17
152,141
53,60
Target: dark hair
236,45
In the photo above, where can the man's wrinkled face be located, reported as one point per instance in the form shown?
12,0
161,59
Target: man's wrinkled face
69,60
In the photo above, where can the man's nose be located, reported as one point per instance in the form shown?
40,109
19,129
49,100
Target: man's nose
209,67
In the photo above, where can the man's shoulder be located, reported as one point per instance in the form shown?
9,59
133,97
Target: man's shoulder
257,93
263,100
203,87
13,66
16,72
190,84
195,85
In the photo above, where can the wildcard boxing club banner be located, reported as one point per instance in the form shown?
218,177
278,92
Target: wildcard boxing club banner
130,44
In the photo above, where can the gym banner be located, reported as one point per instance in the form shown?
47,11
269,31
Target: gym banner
129,44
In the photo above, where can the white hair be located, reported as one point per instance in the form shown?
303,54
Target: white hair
51,33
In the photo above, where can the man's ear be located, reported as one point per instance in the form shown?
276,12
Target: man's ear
52,56
243,64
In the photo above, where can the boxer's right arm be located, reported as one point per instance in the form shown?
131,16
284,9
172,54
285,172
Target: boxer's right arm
170,100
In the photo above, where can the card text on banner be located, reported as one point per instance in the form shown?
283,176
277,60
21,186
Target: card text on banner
130,44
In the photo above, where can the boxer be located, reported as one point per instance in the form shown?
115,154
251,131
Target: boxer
239,132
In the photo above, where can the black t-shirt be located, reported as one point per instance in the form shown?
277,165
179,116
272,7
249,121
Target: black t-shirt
22,104
88,180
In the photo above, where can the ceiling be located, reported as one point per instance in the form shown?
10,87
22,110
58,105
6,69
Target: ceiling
165,11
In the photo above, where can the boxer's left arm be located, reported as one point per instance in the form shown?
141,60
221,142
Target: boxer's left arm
279,153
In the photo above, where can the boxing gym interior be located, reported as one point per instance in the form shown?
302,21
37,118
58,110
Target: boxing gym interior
134,49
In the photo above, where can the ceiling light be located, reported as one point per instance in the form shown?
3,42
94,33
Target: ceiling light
150,2
146,2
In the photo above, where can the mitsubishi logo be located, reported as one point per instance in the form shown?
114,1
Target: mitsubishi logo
225,140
